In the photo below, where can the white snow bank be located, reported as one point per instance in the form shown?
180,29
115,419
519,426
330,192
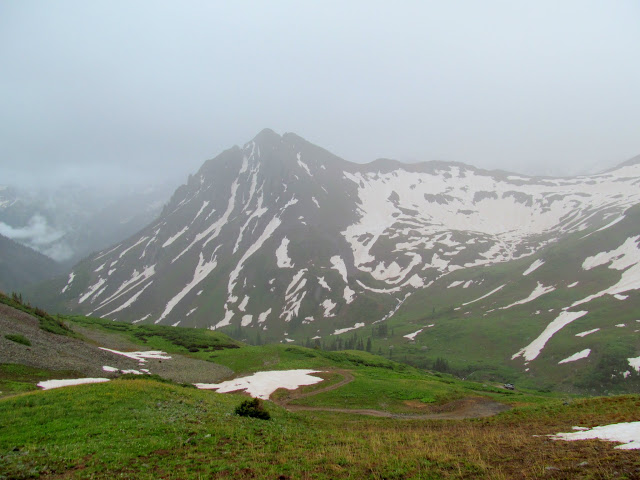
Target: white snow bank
71,277
627,433
263,384
49,384
412,336
625,258
635,363
485,296
328,306
537,292
588,332
107,368
531,351
348,295
338,264
282,254
576,356
534,266
141,356
344,330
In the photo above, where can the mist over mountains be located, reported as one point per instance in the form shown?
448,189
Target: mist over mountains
68,222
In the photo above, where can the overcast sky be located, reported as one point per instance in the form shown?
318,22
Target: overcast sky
95,90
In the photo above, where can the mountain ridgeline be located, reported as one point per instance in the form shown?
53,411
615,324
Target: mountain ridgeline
284,241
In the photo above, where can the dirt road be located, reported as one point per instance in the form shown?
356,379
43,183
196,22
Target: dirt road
470,407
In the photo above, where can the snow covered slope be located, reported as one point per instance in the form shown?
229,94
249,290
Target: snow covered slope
282,237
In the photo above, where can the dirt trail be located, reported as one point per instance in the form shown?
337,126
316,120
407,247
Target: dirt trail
471,407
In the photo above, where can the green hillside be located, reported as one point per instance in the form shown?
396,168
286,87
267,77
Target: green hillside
145,429
370,418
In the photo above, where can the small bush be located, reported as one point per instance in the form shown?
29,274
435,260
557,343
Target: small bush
18,339
252,408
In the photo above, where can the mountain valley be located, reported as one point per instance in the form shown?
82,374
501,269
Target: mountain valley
495,273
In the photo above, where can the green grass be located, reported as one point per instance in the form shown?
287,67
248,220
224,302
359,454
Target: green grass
47,322
145,429
197,341
21,339
15,378
251,359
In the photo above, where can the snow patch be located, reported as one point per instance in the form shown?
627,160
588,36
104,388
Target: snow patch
634,363
576,356
348,295
537,292
338,264
344,330
412,336
282,254
203,269
588,332
140,356
323,283
303,165
328,306
92,289
268,231
263,316
627,433
71,277
533,267
49,384
170,240
243,305
485,296
626,258
531,351
263,384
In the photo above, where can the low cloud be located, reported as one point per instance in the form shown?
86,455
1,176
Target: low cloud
40,236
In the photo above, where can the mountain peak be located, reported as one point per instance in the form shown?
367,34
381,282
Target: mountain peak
267,136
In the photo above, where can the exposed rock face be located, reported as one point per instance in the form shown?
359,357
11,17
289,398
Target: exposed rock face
283,237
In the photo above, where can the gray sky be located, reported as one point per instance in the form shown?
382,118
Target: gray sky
93,90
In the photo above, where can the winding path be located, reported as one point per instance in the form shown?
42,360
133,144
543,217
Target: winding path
470,407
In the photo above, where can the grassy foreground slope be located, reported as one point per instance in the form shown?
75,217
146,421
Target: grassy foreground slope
145,429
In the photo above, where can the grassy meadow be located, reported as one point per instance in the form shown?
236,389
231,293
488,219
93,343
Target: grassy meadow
146,429
149,428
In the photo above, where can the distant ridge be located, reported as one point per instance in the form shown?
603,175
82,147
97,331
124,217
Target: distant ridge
21,266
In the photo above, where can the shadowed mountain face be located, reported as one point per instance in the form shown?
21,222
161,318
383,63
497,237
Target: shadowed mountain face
282,237
21,266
